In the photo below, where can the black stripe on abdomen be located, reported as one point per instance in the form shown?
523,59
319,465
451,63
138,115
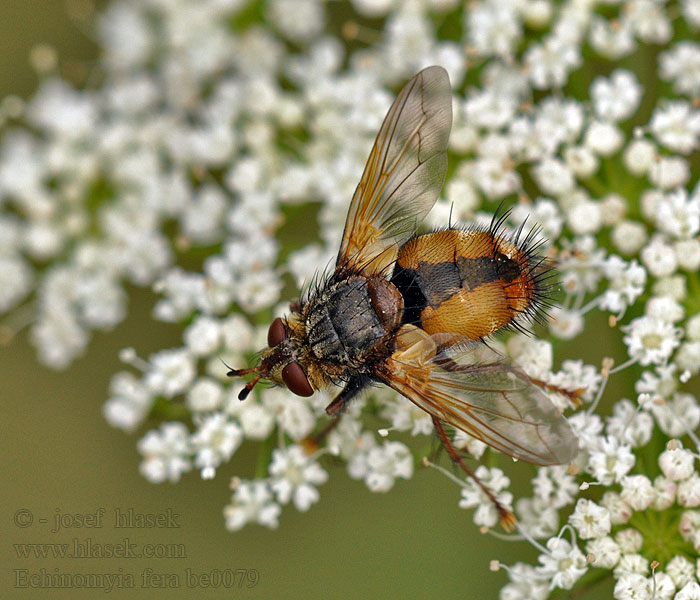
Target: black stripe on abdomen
434,283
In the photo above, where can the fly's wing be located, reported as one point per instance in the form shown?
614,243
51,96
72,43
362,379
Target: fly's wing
489,399
403,176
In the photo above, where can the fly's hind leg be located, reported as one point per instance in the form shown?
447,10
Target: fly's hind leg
507,518
335,410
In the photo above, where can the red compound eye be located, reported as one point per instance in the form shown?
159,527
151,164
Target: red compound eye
295,379
276,333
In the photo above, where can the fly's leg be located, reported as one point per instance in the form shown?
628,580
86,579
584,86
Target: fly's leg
573,395
335,410
507,518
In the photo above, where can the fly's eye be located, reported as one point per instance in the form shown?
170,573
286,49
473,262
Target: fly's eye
276,333
295,379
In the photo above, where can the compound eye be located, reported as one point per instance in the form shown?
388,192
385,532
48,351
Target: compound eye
295,379
276,333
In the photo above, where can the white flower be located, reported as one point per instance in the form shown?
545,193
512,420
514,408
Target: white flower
493,28
473,496
574,375
611,461
166,453
614,207
565,324
674,287
385,463
58,335
251,501
682,65
550,63
172,371
663,586
563,564
533,355
129,402
630,425
604,552
604,138
16,278
681,571
537,517
494,178
639,156
676,126
616,98
581,265
627,282
214,442
688,254
633,586
63,111
677,464
409,37
689,527
585,217
293,413
555,486
299,20
525,584
650,340
611,40
294,476
590,520
664,493
649,20
237,333
203,336
668,172
620,511
690,591
678,215
558,121
205,395
490,109
202,219
632,563
588,428
691,12
553,176
678,415
629,540
348,440
664,308
256,419
688,359
472,446
689,491
582,161
637,491
256,290
406,416
373,8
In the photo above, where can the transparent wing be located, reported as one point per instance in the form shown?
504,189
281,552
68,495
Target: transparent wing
474,390
404,173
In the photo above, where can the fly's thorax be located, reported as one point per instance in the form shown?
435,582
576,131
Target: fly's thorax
472,282
351,321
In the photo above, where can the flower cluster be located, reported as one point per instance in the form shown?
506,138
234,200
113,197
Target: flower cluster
230,135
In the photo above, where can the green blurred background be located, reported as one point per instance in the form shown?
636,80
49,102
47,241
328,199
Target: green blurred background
61,457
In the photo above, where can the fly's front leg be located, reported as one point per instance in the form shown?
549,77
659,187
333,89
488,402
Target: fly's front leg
335,410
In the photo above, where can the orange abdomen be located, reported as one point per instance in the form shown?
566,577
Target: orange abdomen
471,283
